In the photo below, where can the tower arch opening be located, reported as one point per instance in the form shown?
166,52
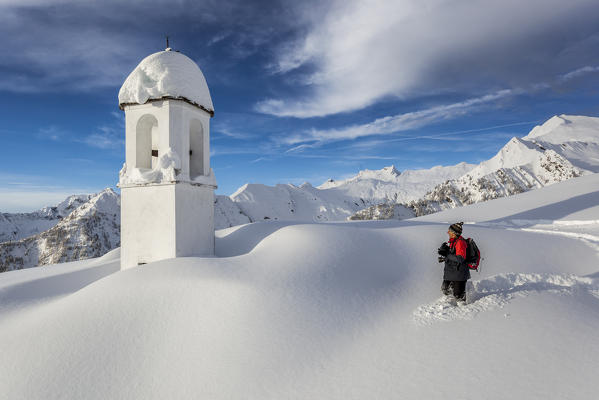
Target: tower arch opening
196,149
146,142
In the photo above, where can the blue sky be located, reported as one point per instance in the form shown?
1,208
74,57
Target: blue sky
303,91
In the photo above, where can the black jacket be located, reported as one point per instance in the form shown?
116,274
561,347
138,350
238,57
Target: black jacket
456,268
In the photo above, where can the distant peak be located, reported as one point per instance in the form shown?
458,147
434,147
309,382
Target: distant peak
391,170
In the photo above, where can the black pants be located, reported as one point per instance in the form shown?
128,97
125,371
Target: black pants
459,288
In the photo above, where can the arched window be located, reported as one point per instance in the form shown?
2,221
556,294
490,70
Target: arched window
146,142
196,149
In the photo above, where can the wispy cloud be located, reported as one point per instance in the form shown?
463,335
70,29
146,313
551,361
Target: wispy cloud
579,72
53,133
232,134
109,136
355,53
259,159
400,122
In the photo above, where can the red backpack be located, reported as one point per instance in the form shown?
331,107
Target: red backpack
472,254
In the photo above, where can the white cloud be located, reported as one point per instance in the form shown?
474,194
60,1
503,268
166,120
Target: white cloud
109,136
360,52
579,72
397,123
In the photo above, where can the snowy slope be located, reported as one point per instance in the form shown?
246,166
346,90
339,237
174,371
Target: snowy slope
90,230
335,311
562,148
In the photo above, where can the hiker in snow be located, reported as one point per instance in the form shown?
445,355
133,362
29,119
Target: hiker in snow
456,271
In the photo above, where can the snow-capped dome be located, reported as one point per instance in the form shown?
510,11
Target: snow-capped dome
166,74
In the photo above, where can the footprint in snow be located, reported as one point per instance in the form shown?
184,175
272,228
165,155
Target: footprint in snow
498,290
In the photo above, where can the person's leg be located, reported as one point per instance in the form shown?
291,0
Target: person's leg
459,290
445,287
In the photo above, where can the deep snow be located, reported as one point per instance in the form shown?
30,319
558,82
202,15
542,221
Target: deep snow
335,311
166,74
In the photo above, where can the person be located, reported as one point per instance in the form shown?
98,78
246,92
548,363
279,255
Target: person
456,272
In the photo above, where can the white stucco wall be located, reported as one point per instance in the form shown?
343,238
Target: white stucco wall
166,221
147,224
194,220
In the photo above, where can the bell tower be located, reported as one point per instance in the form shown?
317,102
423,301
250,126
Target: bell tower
167,185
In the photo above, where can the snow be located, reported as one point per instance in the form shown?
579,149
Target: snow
565,128
571,200
166,74
21,225
90,230
389,184
336,311
337,200
167,169
572,140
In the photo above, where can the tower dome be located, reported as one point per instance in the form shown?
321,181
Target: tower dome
166,75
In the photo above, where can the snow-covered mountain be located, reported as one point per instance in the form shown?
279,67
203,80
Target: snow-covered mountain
563,147
324,311
91,229
21,225
337,200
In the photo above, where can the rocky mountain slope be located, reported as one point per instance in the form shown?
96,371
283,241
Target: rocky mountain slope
564,147
90,230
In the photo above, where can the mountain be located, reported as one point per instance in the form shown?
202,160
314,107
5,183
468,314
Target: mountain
89,230
337,200
334,311
21,225
563,147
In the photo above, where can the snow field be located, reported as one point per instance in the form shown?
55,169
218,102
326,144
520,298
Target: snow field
310,309
335,310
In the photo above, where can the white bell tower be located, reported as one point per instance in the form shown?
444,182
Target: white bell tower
167,185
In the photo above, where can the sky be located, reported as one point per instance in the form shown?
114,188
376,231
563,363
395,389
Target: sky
302,91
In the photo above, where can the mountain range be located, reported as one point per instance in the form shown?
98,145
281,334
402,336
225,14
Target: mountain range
86,226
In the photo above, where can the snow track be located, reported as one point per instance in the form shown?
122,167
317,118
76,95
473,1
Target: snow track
498,290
